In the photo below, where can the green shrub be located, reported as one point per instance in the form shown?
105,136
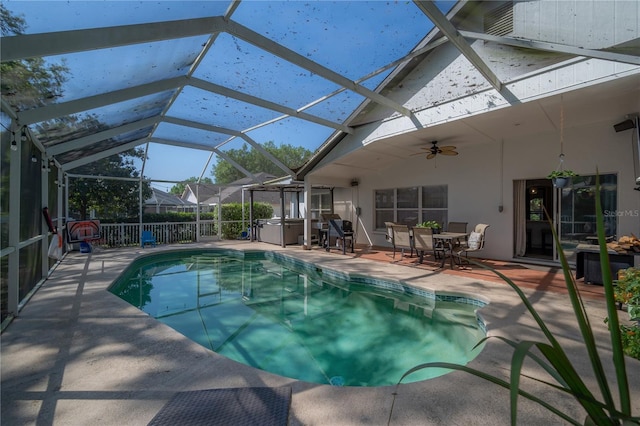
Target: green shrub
631,340
232,212
627,290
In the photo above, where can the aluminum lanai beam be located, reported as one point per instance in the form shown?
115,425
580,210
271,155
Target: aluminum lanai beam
58,110
100,136
207,127
433,13
224,91
556,48
205,148
272,47
6,108
58,43
80,105
191,145
47,44
102,154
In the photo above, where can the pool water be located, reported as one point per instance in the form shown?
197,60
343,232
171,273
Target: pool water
293,319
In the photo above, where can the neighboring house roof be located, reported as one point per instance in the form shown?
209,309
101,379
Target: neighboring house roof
162,198
229,193
205,191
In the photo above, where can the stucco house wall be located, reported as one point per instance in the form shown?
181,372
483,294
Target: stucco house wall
481,178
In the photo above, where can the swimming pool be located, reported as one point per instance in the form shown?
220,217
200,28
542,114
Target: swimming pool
291,318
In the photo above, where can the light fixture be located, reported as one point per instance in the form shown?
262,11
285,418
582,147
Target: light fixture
14,144
624,125
34,159
23,134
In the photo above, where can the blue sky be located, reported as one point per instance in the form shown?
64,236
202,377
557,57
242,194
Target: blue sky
353,38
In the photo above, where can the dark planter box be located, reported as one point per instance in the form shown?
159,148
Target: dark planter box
588,265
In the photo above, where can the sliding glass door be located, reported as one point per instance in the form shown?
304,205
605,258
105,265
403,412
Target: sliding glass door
576,212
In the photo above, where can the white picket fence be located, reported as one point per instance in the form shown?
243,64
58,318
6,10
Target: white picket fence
128,234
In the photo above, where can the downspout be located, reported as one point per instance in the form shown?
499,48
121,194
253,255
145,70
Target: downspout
332,201
636,154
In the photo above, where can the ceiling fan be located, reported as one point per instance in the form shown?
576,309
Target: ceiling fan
434,150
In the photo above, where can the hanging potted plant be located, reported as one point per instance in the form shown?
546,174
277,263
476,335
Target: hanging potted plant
561,178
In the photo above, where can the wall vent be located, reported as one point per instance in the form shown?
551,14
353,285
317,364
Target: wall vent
499,22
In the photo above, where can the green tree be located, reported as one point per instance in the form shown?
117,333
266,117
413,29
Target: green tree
178,188
109,198
255,162
10,24
30,82
33,82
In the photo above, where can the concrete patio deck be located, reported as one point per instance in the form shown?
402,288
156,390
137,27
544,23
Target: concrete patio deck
78,355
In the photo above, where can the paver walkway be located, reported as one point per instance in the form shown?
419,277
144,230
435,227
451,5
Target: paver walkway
537,277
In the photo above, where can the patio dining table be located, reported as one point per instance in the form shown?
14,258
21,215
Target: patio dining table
448,241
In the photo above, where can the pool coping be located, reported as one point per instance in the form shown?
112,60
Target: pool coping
77,354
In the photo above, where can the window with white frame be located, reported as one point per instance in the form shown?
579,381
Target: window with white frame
320,203
411,205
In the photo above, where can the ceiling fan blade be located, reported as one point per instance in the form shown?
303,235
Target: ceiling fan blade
448,148
449,153
430,156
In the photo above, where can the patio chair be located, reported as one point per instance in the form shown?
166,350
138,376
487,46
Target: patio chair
389,235
457,227
343,236
474,243
401,239
147,238
244,235
423,243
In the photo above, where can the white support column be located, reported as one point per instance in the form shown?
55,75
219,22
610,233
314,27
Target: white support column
306,215
13,293
44,168
219,207
140,209
198,212
282,219
66,197
61,201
